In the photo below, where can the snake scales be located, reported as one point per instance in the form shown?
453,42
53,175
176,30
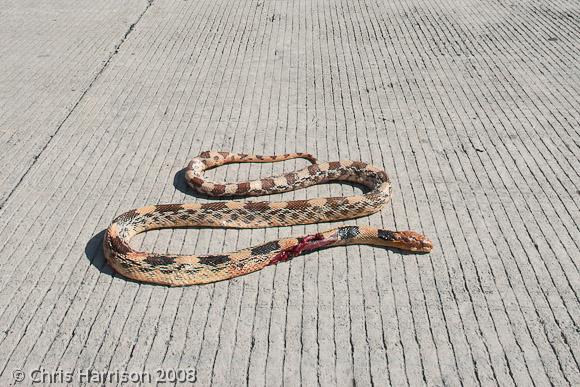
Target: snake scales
178,270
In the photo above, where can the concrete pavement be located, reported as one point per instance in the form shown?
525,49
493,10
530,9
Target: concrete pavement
471,106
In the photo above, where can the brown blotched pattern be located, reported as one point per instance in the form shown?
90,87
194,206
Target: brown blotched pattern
191,269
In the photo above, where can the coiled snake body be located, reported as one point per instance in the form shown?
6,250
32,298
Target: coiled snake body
178,270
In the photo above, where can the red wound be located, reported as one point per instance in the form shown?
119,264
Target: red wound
308,243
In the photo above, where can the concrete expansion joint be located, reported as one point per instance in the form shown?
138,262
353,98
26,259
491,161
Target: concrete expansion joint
76,104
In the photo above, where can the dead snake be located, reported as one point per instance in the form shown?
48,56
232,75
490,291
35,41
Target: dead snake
179,270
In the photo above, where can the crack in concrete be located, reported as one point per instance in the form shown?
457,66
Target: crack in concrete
77,103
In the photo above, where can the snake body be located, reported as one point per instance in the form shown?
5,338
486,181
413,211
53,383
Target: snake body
179,270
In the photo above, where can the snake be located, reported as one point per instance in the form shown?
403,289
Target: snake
182,270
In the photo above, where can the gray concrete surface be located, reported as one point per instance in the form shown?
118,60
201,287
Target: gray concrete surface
472,107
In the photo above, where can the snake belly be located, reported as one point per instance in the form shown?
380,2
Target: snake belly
180,270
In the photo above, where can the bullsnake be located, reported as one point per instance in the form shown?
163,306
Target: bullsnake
179,270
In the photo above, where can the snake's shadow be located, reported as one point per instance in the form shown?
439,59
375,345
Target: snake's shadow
180,184
94,253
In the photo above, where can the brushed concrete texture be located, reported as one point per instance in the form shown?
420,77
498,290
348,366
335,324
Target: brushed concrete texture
471,106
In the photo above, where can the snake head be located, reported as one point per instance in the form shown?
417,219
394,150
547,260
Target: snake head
406,240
